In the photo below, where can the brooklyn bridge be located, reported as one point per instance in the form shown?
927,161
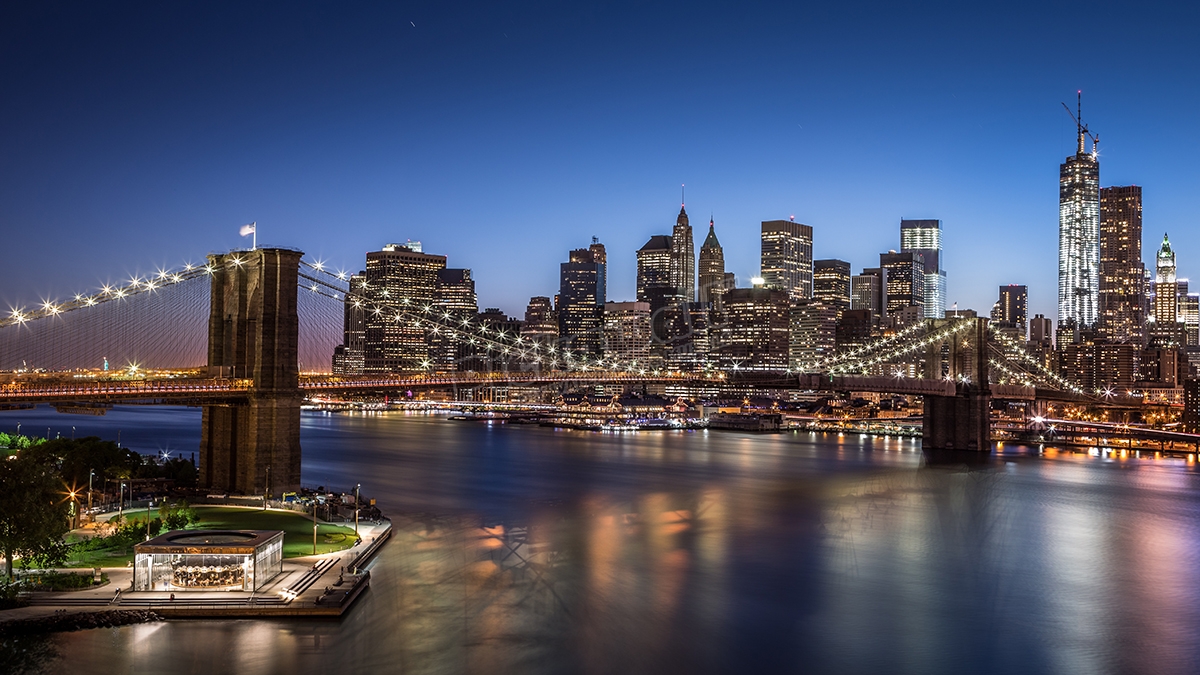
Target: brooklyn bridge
247,335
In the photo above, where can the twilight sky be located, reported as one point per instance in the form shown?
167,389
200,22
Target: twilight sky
506,133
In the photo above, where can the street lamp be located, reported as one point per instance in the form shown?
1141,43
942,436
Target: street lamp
356,488
91,475
121,502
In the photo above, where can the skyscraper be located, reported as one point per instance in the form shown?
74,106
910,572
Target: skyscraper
581,302
454,295
925,237
1079,235
867,292
1122,273
712,269
1166,296
1013,308
399,274
627,332
831,283
904,281
348,357
683,259
654,272
541,324
755,333
787,258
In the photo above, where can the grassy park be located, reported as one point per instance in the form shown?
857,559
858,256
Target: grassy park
297,537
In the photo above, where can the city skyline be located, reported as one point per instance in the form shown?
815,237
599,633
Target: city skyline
309,155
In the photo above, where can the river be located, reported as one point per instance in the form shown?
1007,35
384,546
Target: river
522,549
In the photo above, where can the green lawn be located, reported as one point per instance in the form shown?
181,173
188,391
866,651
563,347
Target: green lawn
297,533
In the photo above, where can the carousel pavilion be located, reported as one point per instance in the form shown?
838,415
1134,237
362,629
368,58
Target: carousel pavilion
208,560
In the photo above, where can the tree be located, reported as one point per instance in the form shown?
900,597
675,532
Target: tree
33,509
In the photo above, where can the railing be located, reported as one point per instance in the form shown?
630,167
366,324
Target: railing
135,388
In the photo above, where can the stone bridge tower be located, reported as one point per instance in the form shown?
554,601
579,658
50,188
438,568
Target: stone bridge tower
252,446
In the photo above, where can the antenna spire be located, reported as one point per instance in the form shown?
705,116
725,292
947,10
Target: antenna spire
682,195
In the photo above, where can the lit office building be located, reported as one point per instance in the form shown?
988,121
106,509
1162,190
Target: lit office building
866,291
581,302
754,335
831,283
787,260
925,237
904,281
654,272
812,334
712,270
399,275
1012,308
454,298
1079,235
541,323
683,259
627,331
348,357
1122,273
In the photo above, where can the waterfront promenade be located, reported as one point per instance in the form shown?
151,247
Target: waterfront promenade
322,585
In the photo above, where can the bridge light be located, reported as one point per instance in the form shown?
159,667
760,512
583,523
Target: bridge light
209,269
188,267
237,261
319,266
90,301
341,275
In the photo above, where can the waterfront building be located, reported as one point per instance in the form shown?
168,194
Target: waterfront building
812,333
627,331
683,259
398,275
754,335
581,302
1122,273
349,357
904,281
654,273
1163,366
1097,366
925,237
1012,308
831,283
787,260
1079,235
712,269
867,292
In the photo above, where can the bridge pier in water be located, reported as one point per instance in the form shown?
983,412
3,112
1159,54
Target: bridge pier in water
252,446
962,421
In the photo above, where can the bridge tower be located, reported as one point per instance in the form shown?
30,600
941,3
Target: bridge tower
963,421
253,446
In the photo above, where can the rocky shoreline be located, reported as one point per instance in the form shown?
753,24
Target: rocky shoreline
77,621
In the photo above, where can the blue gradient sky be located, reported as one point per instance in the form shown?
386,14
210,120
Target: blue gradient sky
505,134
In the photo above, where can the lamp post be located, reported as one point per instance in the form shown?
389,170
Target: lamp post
120,502
356,488
149,503
72,433
314,524
267,491
91,475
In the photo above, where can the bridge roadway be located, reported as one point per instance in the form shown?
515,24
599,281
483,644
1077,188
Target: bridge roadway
217,391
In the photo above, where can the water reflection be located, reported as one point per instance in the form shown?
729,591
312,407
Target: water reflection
533,550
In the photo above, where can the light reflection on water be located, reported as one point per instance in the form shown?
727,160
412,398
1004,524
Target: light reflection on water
523,549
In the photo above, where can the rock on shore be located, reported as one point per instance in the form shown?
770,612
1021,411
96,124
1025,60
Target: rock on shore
78,621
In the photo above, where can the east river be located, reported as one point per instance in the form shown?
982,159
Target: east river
522,549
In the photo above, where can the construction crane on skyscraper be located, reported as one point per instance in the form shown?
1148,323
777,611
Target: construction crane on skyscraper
1080,127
